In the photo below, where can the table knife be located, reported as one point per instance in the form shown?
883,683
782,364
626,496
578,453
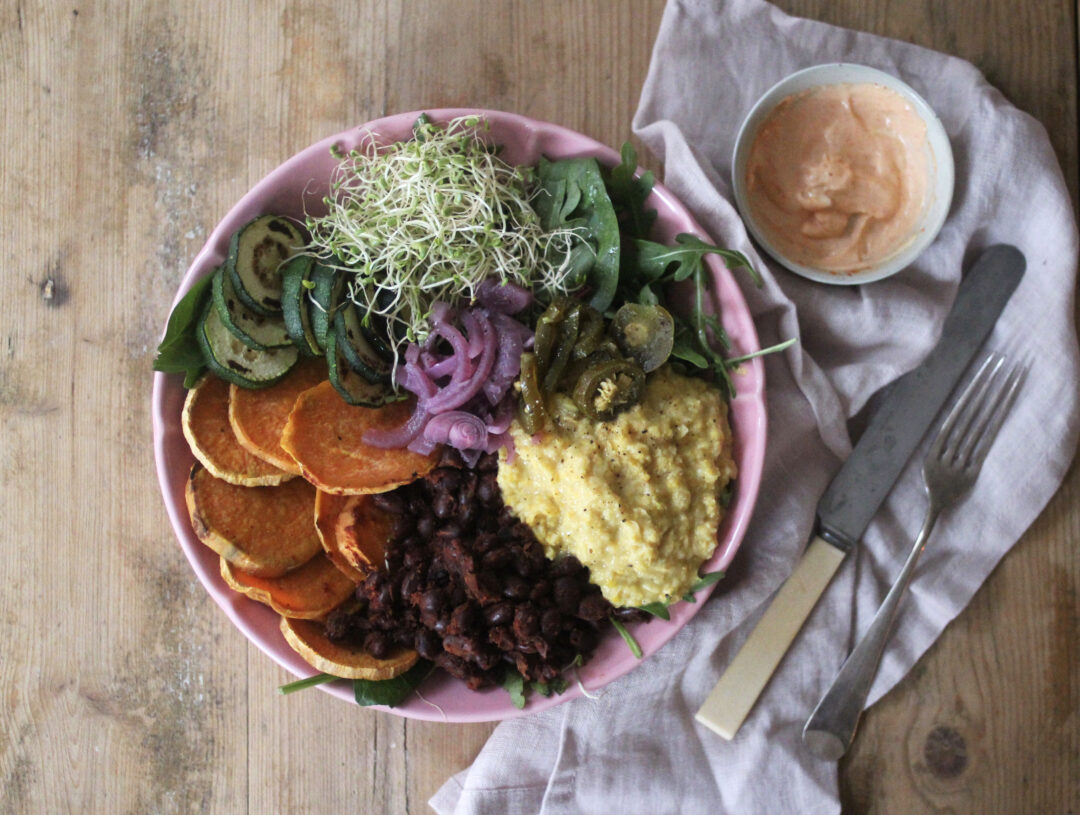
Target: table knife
906,411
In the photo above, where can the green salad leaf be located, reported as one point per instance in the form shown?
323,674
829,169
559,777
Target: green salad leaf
629,193
179,352
571,194
309,682
628,638
391,692
514,683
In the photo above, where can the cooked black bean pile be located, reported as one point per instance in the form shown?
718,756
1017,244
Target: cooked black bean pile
468,586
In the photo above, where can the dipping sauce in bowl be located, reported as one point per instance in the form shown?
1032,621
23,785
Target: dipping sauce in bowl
838,175
843,173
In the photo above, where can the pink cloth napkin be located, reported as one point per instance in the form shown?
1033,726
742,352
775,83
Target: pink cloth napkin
637,747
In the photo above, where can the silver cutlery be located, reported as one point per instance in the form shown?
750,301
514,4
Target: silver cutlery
950,469
846,508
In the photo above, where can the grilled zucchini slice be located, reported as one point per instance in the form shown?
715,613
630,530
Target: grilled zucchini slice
254,330
357,350
230,359
353,387
256,254
295,308
325,295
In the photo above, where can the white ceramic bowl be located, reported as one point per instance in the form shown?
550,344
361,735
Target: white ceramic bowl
939,156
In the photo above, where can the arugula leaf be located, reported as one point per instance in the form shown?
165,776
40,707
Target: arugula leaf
391,692
628,194
654,259
628,638
702,582
657,610
514,683
572,194
179,352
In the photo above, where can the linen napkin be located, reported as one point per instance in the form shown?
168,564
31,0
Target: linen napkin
637,747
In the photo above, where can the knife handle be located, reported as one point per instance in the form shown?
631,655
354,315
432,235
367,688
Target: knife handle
741,684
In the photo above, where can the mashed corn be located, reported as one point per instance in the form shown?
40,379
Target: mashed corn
636,499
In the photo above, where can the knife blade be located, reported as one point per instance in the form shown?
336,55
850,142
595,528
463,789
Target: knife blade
906,410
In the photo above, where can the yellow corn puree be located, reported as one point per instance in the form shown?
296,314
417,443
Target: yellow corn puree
636,499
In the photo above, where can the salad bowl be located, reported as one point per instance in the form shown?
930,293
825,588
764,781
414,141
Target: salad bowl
297,187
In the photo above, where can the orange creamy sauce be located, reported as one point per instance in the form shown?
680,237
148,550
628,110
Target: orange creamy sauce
838,176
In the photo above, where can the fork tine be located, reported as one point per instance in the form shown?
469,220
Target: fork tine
982,409
972,392
1003,402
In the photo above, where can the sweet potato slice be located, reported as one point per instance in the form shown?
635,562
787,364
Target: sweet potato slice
205,422
308,639
266,531
309,592
324,435
258,416
354,532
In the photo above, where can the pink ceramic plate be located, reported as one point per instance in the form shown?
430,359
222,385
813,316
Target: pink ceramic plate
299,185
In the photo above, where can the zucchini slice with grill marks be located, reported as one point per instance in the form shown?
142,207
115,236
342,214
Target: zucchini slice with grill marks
295,308
325,295
254,330
256,253
353,387
354,345
228,358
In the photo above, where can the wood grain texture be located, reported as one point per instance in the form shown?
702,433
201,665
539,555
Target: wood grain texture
127,130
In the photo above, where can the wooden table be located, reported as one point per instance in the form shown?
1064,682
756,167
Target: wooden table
127,131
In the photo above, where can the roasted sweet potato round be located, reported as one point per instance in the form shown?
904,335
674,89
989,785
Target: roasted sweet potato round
324,435
258,416
309,592
309,640
354,532
266,531
205,422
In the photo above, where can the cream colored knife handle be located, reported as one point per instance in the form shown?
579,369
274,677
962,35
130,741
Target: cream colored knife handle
746,676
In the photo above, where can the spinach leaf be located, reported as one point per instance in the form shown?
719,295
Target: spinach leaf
179,352
391,692
628,194
572,194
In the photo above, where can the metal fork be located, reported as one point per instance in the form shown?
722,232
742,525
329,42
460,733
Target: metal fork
951,467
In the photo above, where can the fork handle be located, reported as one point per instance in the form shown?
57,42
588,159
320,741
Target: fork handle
831,727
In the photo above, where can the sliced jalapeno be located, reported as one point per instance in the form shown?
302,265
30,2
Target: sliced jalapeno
645,334
533,413
564,348
606,388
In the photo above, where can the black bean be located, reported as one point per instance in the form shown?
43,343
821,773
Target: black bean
425,525
487,489
516,588
432,601
498,559
443,505
499,614
526,621
376,644
427,643
551,623
593,607
567,594
389,502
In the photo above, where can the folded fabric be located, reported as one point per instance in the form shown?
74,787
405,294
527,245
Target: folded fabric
637,747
